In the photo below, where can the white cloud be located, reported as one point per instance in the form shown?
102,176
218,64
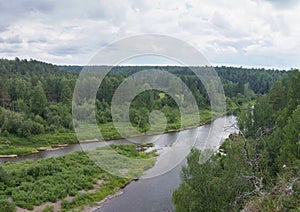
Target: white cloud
254,32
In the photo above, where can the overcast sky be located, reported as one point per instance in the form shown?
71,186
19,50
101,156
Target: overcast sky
263,33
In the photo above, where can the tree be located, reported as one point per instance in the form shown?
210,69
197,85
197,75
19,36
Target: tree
277,97
214,185
65,93
38,100
289,152
263,114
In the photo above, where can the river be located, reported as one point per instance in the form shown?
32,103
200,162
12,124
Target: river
153,191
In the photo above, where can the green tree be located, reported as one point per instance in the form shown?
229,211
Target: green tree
263,114
38,100
65,93
289,151
215,185
277,97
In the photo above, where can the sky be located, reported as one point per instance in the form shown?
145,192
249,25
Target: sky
248,33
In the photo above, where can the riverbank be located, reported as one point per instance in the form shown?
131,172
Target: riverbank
12,145
99,204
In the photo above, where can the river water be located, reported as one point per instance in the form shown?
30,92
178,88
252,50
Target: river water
153,191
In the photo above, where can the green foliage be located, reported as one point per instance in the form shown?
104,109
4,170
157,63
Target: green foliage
15,145
282,196
268,149
277,114
259,80
35,99
30,87
6,206
10,150
38,100
289,151
32,183
213,185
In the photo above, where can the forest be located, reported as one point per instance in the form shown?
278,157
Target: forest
36,100
256,169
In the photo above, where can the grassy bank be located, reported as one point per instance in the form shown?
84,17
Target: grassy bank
13,145
73,179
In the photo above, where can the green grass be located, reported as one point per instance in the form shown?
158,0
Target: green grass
31,183
11,150
15,145
205,116
39,140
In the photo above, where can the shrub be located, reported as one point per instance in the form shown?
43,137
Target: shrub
6,206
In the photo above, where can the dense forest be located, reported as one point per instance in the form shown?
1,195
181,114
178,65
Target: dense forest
36,100
256,169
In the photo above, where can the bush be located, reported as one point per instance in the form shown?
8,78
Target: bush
6,206
31,183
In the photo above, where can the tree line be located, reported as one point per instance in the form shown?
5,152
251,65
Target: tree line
36,97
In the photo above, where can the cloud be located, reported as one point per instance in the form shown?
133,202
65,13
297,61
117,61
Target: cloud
260,32
220,21
283,4
13,40
37,40
64,50
7,50
14,10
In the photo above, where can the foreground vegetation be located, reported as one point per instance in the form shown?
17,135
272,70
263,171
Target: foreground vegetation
256,170
74,178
